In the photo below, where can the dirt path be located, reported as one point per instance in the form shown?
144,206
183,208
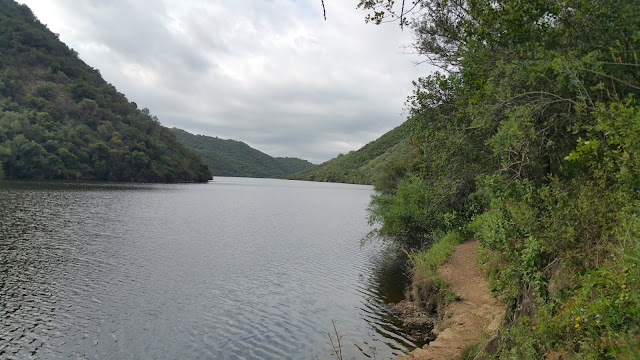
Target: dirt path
466,321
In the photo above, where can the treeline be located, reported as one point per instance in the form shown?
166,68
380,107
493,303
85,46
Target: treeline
60,120
235,158
388,154
529,139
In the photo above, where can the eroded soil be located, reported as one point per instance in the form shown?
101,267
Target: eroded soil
476,315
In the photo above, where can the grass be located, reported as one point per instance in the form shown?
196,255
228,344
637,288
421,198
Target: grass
470,352
426,262
427,289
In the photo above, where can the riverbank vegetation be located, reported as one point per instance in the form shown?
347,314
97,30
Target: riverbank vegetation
528,138
60,120
428,290
387,154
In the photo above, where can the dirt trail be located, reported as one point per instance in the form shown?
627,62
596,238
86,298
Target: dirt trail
465,321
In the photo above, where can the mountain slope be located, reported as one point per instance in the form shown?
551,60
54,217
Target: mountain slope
235,158
293,165
366,165
60,120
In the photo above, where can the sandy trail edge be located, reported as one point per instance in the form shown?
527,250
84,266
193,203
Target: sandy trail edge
465,322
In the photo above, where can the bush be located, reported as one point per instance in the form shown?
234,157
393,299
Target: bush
414,214
573,246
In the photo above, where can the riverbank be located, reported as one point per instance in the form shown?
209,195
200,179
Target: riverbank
457,310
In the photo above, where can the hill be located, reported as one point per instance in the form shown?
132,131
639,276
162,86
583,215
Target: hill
235,158
60,120
367,165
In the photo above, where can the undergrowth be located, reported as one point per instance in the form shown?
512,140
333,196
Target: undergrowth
567,260
427,288
530,137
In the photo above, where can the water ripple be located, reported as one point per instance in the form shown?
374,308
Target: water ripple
237,269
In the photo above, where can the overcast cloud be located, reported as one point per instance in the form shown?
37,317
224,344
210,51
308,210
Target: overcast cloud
271,73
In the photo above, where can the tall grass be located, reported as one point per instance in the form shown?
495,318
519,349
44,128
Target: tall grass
426,262
427,289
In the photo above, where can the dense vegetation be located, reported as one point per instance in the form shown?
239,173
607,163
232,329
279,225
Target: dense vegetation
60,120
529,139
235,158
389,153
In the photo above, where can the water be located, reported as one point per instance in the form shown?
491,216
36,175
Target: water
233,269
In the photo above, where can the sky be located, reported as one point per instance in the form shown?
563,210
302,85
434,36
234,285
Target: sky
271,73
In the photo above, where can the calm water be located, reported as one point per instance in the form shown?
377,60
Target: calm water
233,269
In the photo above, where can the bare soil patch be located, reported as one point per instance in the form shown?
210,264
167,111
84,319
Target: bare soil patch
467,321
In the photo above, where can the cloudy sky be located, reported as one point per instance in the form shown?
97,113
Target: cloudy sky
271,73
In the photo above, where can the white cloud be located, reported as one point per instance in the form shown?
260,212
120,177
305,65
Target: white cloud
273,74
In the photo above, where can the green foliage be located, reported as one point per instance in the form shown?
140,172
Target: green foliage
470,352
564,243
60,120
291,165
404,215
235,158
531,134
366,165
411,214
611,152
600,320
434,193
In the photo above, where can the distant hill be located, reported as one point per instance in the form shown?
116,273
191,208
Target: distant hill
366,165
235,158
60,120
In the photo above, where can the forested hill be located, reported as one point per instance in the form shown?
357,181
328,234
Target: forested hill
235,158
385,155
60,120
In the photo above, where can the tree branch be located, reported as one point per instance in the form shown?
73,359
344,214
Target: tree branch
612,78
402,16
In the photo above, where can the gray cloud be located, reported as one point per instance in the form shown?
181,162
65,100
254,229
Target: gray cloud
273,74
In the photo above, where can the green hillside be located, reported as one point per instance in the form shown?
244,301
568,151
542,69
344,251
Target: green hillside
372,164
293,165
60,120
235,158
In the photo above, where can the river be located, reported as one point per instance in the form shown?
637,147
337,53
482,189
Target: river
238,268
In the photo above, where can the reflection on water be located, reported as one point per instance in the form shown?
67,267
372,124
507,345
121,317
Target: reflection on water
233,269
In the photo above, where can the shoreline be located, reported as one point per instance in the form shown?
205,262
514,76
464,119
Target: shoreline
450,325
